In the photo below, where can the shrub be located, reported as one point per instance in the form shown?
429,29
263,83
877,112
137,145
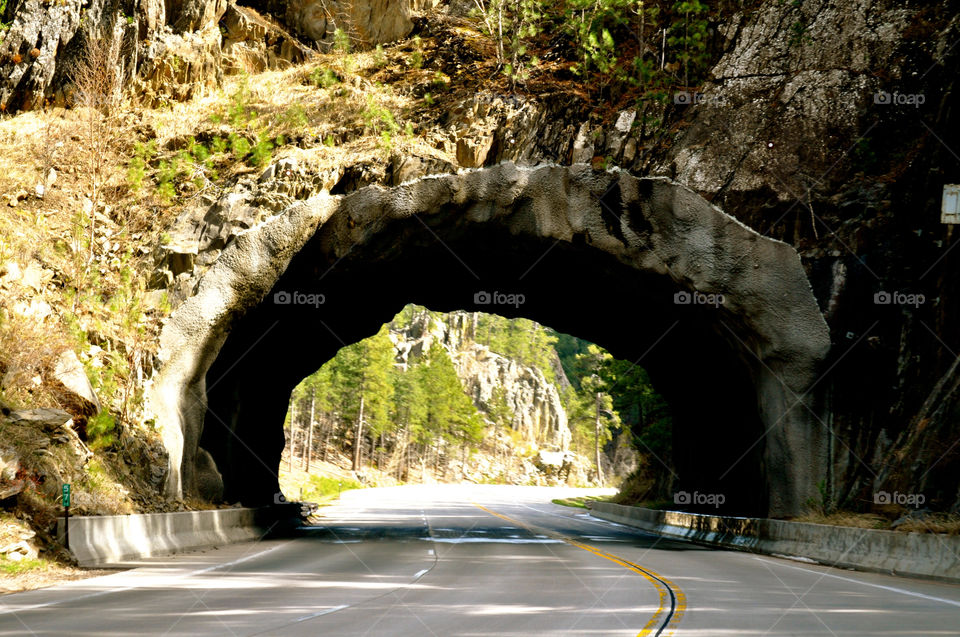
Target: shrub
416,57
101,431
260,152
323,77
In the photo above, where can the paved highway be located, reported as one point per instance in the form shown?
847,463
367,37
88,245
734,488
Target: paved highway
479,561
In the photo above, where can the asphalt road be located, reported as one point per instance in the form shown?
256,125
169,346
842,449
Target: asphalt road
479,561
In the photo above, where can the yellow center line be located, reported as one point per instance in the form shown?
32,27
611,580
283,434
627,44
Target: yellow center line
664,587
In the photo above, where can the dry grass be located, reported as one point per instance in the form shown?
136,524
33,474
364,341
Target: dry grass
91,223
930,523
47,569
841,518
296,104
28,575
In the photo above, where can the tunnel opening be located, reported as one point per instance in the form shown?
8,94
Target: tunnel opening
723,318
689,350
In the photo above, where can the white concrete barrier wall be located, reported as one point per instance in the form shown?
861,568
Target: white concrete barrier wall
110,539
910,554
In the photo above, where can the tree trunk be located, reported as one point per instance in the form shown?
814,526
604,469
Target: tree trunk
308,457
380,451
597,443
404,455
293,434
358,438
326,426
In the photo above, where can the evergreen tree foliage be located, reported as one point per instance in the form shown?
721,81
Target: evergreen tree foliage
520,339
450,412
421,414
590,411
567,348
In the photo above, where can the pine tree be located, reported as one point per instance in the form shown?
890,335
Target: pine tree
409,411
451,416
364,370
590,413
501,413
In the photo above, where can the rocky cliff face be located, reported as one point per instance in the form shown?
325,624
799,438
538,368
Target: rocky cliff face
173,50
833,126
829,125
538,413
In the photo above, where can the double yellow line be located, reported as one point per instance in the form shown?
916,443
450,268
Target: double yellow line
673,603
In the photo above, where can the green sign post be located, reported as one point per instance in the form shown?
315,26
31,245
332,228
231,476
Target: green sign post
65,500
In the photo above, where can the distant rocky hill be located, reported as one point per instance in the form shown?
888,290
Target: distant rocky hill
537,410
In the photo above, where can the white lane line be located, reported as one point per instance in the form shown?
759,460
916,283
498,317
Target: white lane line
144,585
892,589
319,613
335,609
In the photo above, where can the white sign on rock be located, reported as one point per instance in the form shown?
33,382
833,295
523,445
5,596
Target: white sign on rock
950,209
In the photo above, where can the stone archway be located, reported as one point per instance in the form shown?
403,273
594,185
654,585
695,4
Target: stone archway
600,255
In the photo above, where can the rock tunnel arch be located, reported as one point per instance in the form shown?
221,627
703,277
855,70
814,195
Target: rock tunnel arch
602,255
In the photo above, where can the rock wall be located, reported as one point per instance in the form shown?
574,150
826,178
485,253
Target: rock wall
164,53
538,413
833,126
174,50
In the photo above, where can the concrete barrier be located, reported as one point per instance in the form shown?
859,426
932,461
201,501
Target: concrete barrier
110,539
911,554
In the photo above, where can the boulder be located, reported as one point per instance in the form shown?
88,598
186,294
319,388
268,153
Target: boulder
254,43
179,66
556,463
69,373
18,551
368,22
192,15
44,418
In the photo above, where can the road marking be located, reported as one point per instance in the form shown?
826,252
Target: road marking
892,589
319,613
420,573
145,585
492,540
673,603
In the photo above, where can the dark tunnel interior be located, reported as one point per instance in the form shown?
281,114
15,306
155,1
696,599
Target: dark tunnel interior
688,350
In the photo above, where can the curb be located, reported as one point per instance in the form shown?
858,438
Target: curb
925,555
110,539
